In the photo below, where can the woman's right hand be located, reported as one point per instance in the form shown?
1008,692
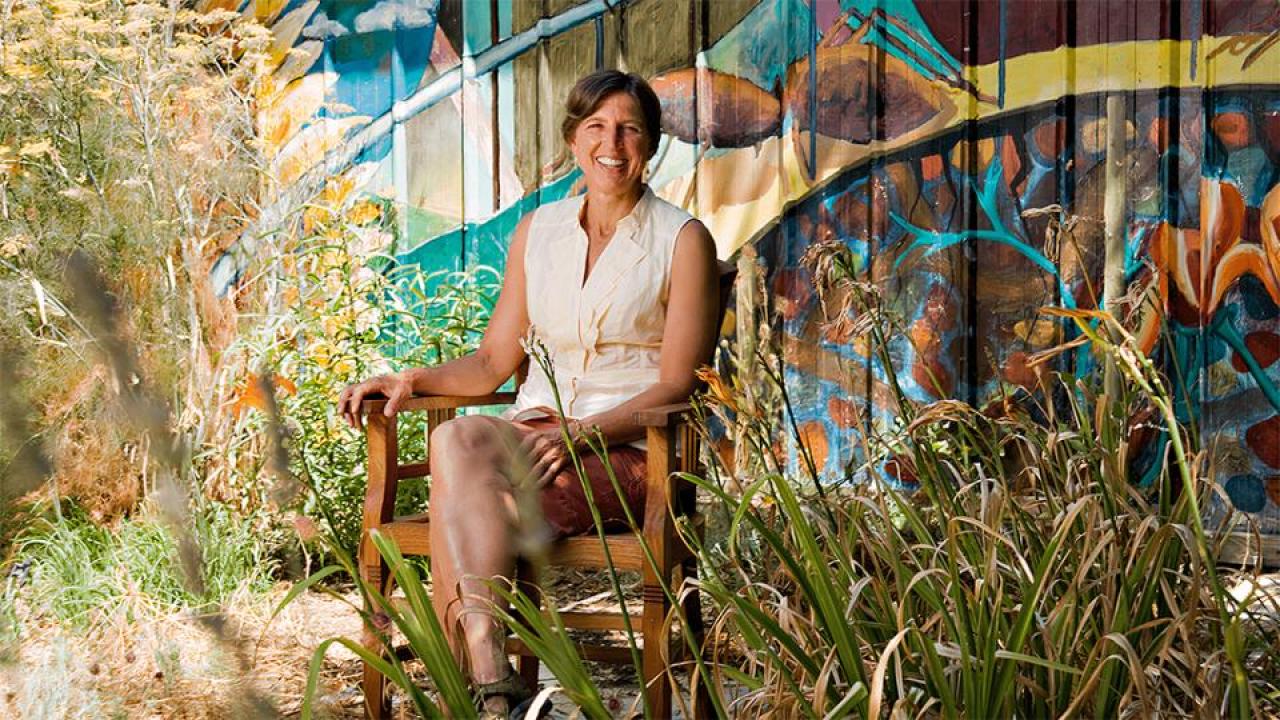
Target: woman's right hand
395,386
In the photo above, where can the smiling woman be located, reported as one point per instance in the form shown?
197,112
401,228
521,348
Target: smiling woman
612,123
621,288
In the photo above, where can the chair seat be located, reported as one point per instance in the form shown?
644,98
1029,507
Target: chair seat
412,536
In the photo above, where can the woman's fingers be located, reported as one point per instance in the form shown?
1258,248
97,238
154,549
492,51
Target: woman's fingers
546,454
344,404
553,462
354,417
395,396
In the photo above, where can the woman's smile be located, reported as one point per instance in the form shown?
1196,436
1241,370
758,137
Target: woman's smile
610,145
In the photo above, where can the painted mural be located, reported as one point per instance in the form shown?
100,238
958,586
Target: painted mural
954,146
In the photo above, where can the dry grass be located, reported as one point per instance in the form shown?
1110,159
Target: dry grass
172,666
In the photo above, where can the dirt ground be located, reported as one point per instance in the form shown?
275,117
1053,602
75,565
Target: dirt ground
187,667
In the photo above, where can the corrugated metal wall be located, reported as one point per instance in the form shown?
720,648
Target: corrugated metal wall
918,133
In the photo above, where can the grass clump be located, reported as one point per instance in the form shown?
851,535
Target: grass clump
1022,572
82,574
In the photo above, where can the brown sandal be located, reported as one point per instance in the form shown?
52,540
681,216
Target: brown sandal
512,687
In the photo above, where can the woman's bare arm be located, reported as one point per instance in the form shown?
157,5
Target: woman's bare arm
500,353
477,373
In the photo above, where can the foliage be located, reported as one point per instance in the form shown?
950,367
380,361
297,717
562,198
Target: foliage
416,622
126,134
340,312
84,574
1023,573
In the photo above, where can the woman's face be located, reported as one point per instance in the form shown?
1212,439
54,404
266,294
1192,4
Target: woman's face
610,145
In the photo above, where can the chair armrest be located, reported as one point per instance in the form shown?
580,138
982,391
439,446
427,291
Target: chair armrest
375,402
663,415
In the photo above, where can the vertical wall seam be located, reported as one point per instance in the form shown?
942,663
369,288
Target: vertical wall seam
494,115
971,209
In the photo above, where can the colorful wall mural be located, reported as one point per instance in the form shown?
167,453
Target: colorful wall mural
931,137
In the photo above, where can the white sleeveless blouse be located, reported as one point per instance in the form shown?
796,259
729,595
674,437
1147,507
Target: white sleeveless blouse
605,337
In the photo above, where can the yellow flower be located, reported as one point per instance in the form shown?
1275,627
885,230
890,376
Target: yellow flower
364,212
321,353
337,190
315,216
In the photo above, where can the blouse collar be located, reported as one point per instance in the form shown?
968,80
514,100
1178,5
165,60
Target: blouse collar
631,222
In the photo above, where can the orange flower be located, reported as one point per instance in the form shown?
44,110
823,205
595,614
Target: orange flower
1201,265
717,390
251,392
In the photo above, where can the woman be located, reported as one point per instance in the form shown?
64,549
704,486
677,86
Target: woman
621,287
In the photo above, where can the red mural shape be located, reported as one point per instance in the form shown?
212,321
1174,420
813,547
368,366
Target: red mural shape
926,333
1263,346
1264,440
731,112
842,412
1232,129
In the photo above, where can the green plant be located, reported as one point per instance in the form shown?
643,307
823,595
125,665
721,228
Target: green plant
347,312
82,574
126,134
10,629
414,619
1023,574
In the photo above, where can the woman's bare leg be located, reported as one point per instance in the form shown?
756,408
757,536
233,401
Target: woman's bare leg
473,524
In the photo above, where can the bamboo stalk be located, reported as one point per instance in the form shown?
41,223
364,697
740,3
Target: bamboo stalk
746,331
1113,215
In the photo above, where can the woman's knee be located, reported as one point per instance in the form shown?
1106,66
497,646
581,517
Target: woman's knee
472,438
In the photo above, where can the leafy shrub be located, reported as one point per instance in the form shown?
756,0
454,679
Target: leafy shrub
346,312
127,135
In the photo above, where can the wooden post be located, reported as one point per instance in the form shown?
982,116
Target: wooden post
659,535
1114,216
382,443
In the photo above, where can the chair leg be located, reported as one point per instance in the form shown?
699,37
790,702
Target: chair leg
377,706
691,605
657,688
527,664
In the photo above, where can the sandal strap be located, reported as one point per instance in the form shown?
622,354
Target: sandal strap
513,687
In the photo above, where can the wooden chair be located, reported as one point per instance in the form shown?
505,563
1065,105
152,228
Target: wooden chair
673,446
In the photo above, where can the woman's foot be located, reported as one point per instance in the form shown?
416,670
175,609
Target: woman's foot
498,698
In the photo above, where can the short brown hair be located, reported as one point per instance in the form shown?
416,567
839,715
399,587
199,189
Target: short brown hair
591,90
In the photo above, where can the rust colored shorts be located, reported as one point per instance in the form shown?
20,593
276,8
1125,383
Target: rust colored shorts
564,501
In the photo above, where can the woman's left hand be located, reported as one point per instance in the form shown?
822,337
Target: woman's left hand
546,450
